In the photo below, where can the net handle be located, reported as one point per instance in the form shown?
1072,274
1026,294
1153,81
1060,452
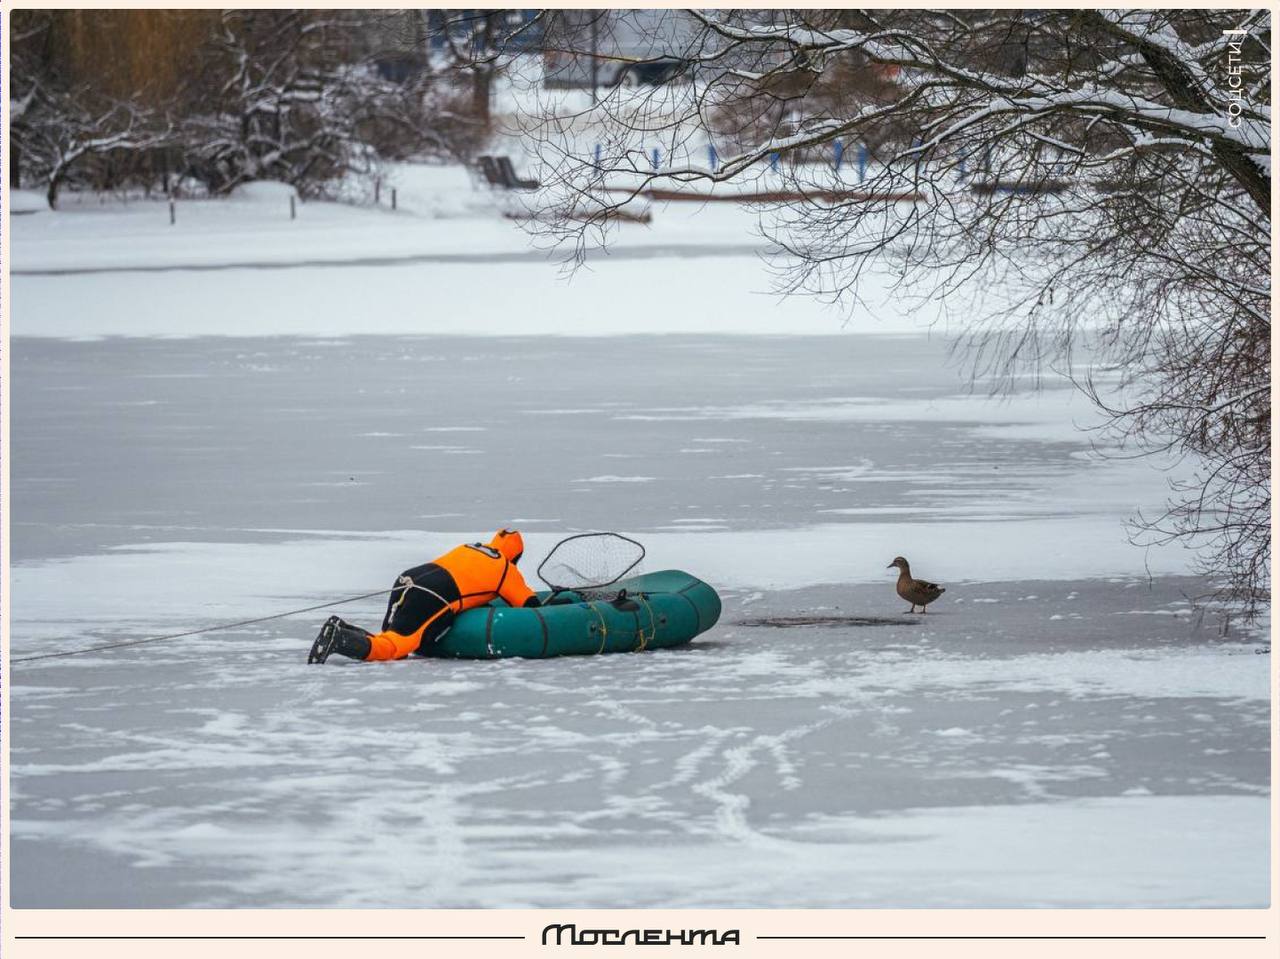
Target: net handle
557,587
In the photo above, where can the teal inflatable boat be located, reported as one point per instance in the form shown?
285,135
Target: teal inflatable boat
662,609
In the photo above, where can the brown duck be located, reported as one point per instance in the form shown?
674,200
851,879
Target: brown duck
917,592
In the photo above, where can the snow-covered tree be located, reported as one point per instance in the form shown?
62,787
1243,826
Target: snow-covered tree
71,130
295,95
92,93
58,132
298,96
1108,172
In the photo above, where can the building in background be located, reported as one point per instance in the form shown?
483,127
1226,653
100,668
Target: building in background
604,48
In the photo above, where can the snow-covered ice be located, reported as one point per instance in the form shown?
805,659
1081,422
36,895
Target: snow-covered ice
200,446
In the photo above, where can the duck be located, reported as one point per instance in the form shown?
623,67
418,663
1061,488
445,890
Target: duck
917,592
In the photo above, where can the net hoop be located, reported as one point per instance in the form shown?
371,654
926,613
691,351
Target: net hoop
600,581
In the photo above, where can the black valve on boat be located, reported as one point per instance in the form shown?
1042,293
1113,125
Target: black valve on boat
624,603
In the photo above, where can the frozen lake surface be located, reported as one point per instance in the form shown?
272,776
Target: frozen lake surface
1061,729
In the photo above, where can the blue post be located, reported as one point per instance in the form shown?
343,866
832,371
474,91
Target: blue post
657,159
838,147
713,158
964,164
597,156
773,162
986,161
862,162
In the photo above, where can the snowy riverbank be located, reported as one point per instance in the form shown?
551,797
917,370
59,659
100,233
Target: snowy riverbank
243,414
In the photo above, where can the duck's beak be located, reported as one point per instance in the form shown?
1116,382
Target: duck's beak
890,566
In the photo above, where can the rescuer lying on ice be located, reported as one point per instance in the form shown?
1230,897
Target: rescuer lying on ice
427,598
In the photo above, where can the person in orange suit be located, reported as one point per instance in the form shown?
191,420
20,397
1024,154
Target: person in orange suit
426,598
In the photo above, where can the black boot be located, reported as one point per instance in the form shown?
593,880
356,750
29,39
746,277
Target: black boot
340,637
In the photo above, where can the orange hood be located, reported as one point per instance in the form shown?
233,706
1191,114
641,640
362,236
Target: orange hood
509,543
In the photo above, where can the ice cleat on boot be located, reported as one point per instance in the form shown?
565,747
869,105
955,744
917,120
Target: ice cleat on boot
326,639
339,636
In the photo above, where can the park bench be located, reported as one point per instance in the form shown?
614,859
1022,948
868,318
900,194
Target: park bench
500,172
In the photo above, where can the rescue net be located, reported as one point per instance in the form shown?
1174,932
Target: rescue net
589,562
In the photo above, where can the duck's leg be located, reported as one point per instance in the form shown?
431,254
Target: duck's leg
912,609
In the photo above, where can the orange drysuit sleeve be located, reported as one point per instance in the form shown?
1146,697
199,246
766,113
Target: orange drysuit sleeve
514,589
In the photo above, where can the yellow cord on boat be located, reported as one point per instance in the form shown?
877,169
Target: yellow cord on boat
653,627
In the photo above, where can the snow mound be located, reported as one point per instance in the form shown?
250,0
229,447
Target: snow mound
27,201
264,191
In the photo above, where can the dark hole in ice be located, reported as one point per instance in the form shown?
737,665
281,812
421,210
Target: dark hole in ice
786,622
